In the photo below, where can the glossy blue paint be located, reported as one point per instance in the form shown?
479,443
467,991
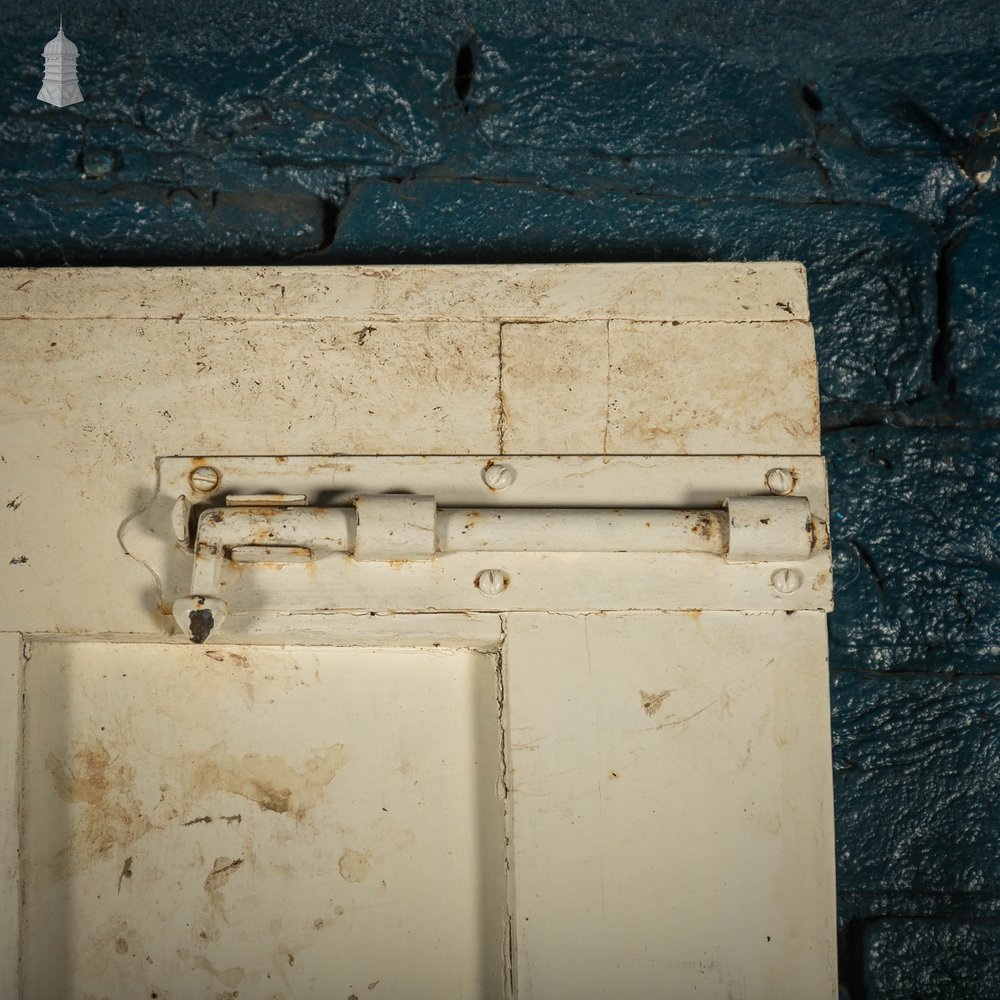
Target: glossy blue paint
855,138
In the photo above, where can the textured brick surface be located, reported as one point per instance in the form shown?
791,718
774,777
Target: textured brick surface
858,138
932,959
917,548
917,772
974,311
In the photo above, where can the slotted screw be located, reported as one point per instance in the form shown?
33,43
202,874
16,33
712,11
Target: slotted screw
780,482
498,476
786,581
204,479
492,582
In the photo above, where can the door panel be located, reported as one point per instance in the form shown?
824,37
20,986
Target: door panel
670,797
261,821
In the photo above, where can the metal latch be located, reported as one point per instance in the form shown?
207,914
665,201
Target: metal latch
399,527
270,539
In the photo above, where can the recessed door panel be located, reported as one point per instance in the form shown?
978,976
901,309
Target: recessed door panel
261,822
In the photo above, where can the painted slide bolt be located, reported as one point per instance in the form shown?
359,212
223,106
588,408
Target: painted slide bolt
491,582
786,581
498,476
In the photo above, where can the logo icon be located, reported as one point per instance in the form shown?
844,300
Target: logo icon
59,86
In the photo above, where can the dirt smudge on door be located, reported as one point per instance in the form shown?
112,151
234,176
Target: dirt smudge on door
222,870
354,866
652,702
112,819
275,784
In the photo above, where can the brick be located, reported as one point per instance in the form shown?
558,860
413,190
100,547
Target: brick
931,959
917,783
916,574
974,355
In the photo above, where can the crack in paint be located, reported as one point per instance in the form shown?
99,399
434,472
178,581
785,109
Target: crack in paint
501,398
607,409
503,789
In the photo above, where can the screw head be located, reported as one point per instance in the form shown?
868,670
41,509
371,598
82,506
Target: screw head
786,581
498,476
492,582
780,481
204,479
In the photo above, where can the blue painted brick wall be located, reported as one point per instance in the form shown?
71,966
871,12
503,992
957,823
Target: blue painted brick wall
859,138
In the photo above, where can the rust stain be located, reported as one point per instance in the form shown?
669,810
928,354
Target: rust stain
222,871
653,702
503,421
705,525
272,782
354,866
244,668
113,815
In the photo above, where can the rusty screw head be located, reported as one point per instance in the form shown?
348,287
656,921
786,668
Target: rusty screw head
204,479
492,582
780,482
498,476
786,581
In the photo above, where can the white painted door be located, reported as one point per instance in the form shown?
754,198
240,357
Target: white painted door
508,589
